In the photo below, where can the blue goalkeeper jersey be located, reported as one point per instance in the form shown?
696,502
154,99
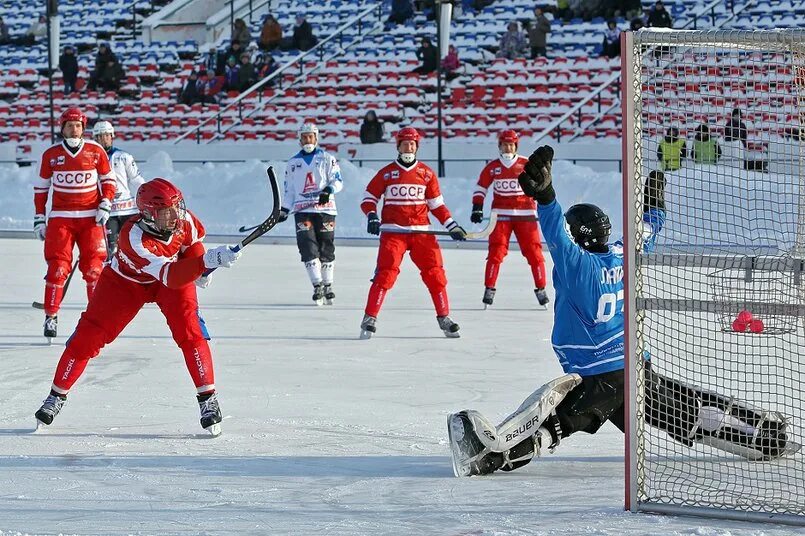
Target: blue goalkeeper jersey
588,312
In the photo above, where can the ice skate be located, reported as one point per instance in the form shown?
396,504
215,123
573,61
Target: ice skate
329,295
50,408
489,297
470,456
51,325
542,297
449,327
318,294
210,413
368,327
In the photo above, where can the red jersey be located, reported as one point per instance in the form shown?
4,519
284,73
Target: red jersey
409,195
509,198
79,180
144,258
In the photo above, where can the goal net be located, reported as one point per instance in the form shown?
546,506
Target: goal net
718,301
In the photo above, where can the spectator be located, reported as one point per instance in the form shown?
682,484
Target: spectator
68,63
36,31
234,51
371,129
401,11
671,150
247,74
636,23
210,86
427,54
705,149
538,34
112,76
563,10
241,34
270,34
4,37
659,17
735,129
232,75
303,38
512,43
102,59
451,63
189,94
612,40
265,65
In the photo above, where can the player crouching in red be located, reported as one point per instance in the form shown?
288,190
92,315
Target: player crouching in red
410,191
159,257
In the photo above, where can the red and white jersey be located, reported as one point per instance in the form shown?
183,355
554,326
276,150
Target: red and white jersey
509,199
78,180
409,195
145,259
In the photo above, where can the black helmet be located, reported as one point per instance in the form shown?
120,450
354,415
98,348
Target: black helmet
589,226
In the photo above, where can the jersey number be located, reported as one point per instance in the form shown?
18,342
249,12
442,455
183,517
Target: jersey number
609,305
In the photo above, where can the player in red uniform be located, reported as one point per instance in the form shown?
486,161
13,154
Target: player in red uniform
516,212
83,185
410,192
159,256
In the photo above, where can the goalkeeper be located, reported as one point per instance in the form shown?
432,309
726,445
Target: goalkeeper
588,340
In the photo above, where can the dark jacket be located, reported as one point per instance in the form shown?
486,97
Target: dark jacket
659,19
371,131
735,130
303,37
246,76
68,63
189,93
429,58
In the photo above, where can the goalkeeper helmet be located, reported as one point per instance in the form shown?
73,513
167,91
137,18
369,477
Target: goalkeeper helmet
589,226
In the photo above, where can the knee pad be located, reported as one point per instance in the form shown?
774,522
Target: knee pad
385,278
93,272
58,271
434,277
497,252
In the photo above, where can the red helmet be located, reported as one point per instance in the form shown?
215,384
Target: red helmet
508,136
73,114
158,194
408,134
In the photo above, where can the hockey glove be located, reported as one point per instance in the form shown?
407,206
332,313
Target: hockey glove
203,281
283,215
40,226
373,224
477,215
324,196
457,232
102,214
654,191
220,257
536,179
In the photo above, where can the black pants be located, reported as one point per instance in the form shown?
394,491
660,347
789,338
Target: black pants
315,235
113,227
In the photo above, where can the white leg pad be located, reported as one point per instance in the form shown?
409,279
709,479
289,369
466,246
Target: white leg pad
314,271
327,272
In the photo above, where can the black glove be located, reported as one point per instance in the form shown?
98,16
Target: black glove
324,196
373,224
456,231
477,215
536,180
654,191
283,215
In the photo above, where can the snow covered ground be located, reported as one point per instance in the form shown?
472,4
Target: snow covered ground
323,433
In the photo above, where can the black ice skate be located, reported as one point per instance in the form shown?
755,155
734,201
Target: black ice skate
542,297
50,408
51,324
368,327
329,295
449,327
470,456
489,297
318,294
210,413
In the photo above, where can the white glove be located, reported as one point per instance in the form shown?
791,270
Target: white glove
203,281
40,226
102,214
221,257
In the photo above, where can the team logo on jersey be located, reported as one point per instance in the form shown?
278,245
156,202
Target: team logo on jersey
303,227
497,171
310,184
328,226
395,174
405,192
60,160
385,176
507,186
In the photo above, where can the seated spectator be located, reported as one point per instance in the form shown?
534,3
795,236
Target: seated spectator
4,37
234,51
37,31
247,75
241,34
232,75
427,54
563,10
611,47
189,93
659,16
303,38
636,23
214,60
270,34
512,43
265,65
538,32
212,86
672,150
401,11
371,129
68,63
451,63
735,129
102,59
705,149
112,76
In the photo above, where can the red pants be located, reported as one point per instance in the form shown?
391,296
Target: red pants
427,257
114,304
60,236
527,234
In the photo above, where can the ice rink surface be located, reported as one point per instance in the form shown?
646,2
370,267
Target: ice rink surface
323,433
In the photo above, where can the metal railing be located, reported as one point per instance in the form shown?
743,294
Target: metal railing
299,61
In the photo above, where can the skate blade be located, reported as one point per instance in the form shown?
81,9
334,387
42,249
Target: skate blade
49,341
318,303
452,334
328,302
455,432
366,334
487,306
214,429
40,427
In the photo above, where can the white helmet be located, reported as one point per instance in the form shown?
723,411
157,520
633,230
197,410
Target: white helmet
102,127
309,128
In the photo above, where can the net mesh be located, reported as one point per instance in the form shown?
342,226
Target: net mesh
720,296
